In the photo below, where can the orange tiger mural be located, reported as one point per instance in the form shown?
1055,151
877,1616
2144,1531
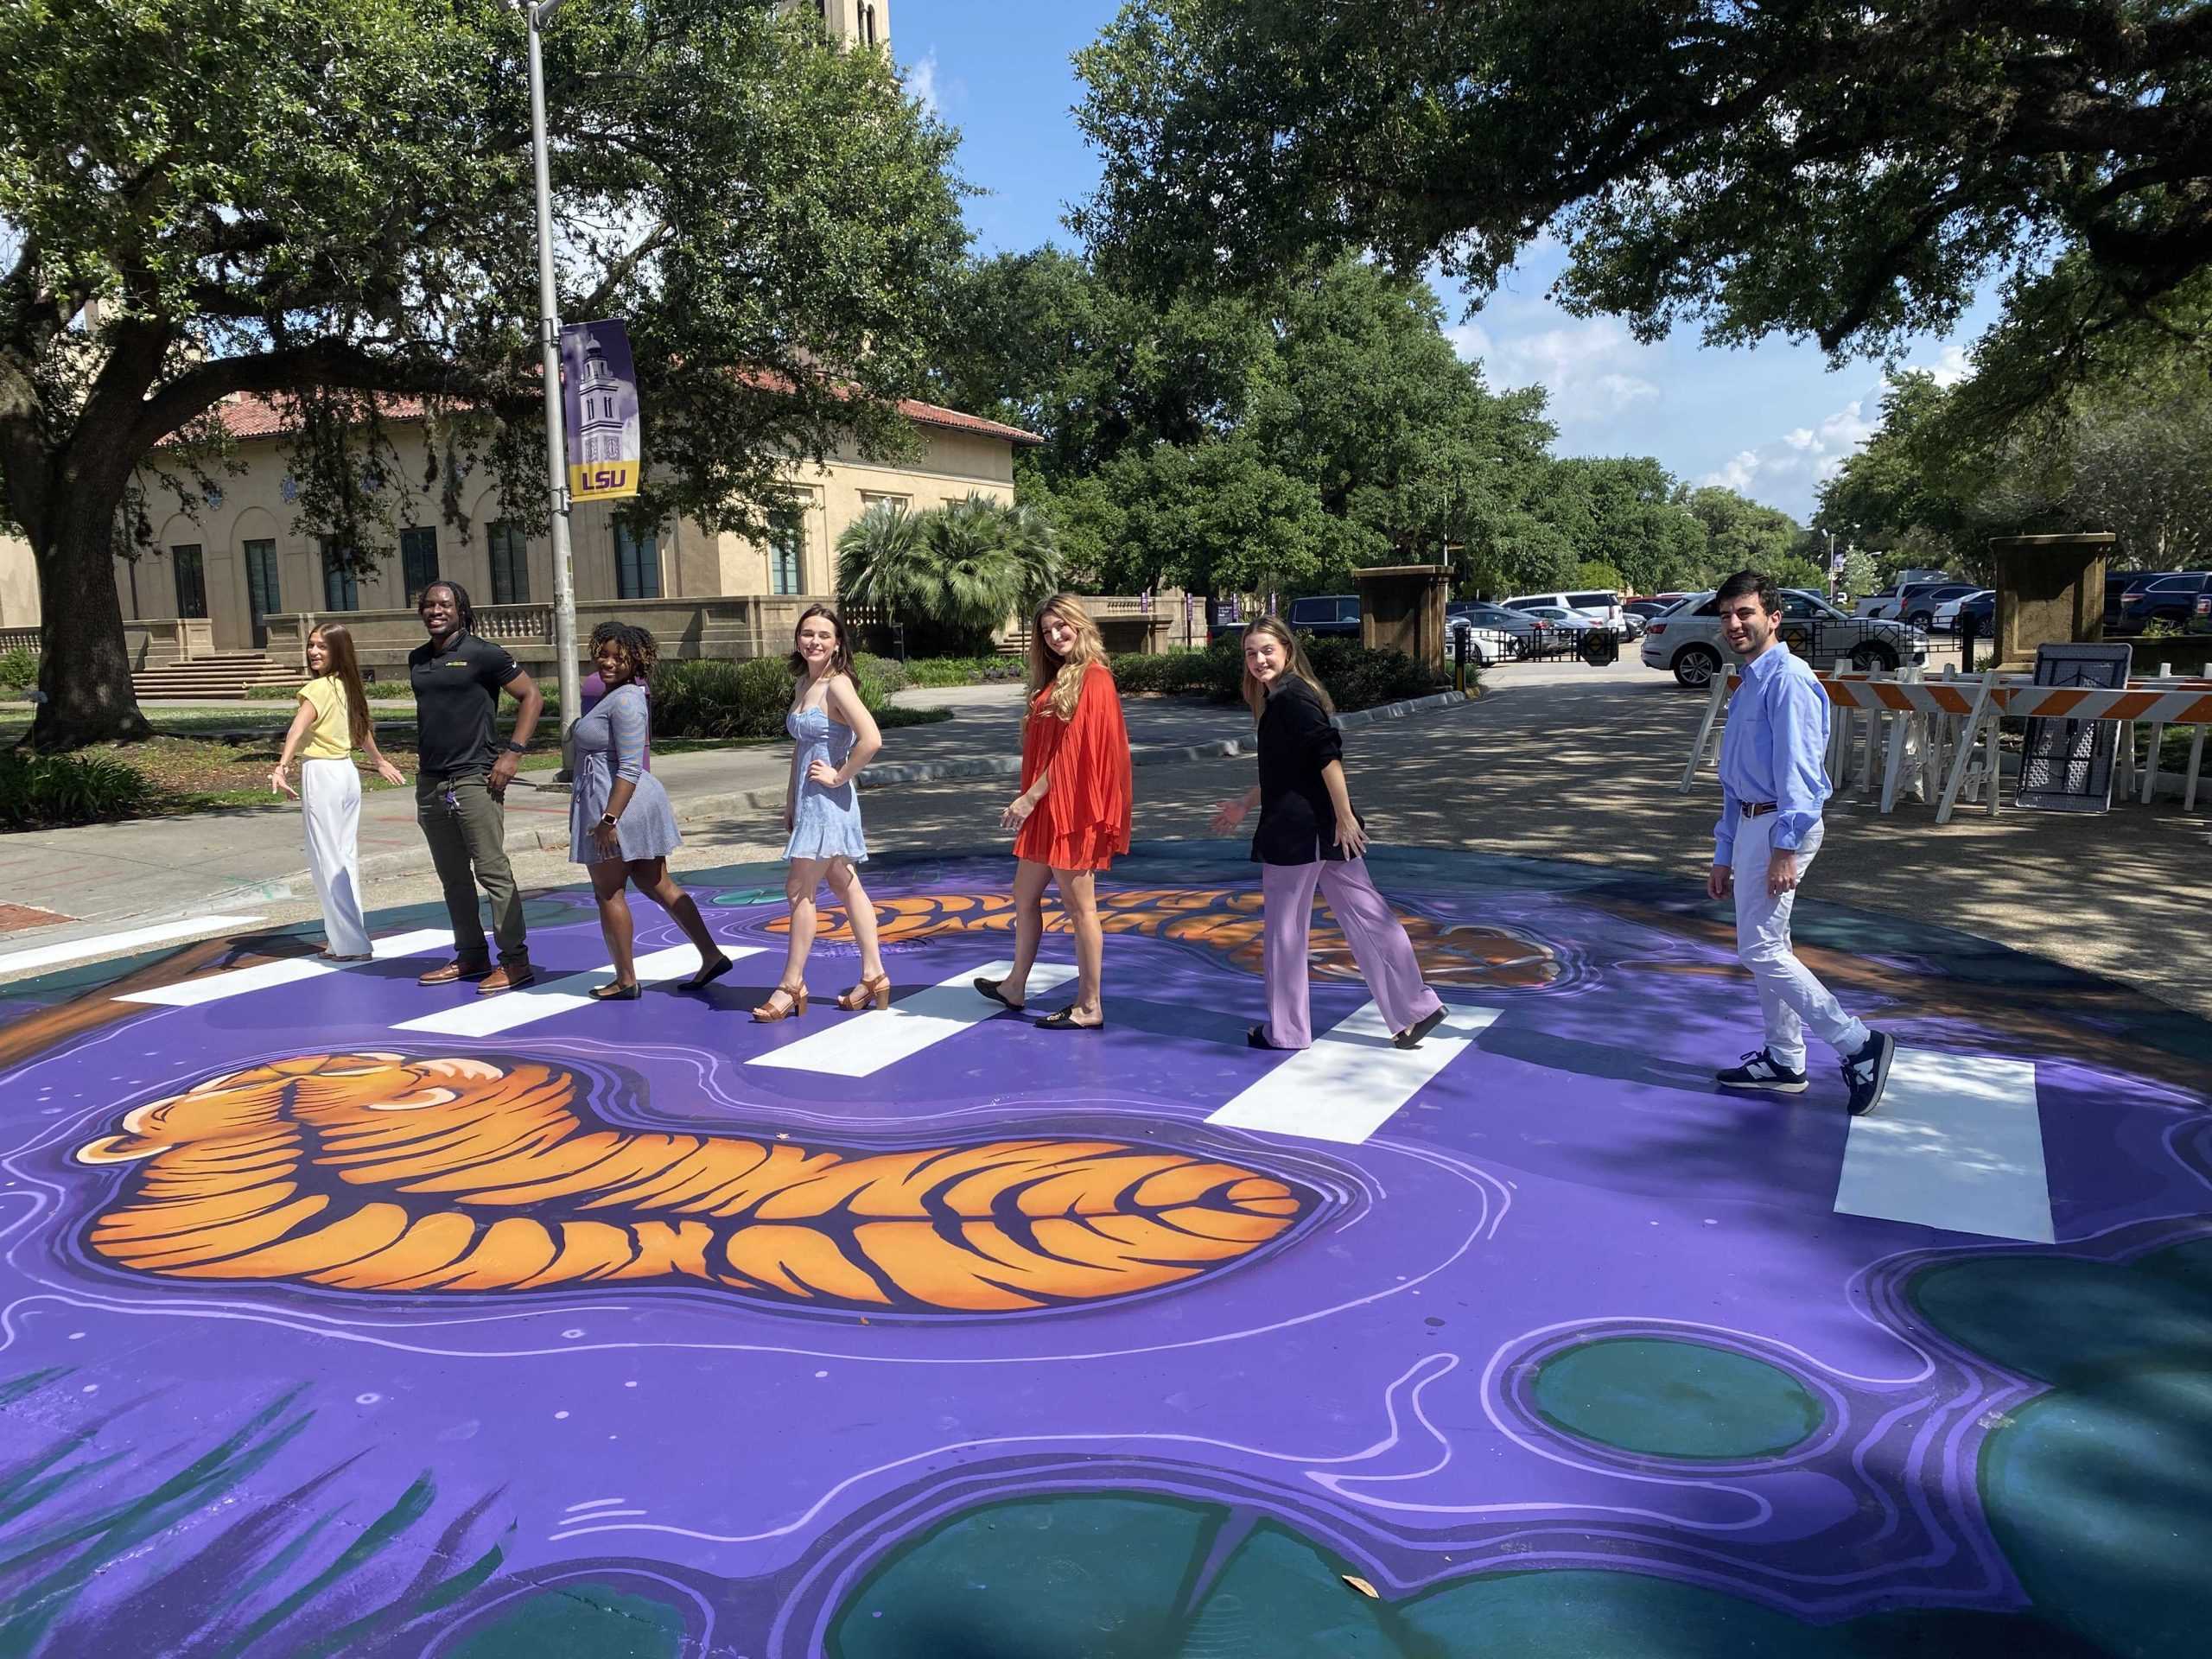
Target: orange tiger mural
1225,920
378,1172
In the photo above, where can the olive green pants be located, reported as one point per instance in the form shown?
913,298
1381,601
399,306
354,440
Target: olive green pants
467,828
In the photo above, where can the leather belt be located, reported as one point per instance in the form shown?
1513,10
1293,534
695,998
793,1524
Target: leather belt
1757,809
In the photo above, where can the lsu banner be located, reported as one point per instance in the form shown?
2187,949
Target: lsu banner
599,394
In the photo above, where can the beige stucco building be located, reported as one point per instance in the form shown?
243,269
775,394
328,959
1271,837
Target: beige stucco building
234,571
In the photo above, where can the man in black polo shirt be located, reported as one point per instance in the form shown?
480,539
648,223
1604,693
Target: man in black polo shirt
463,779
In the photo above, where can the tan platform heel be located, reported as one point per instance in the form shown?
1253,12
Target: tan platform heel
873,987
767,1014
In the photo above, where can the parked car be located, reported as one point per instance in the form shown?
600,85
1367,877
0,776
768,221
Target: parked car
2165,599
1324,614
2116,584
1980,611
1916,601
2202,621
1601,606
1562,616
1494,634
1885,601
1946,618
1686,640
1647,609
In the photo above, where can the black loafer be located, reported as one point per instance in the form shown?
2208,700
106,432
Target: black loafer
1066,1020
1256,1037
989,987
1411,1036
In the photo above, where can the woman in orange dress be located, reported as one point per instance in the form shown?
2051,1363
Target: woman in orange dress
1072,815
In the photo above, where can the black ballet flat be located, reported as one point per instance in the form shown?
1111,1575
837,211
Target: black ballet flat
1066,1020
617,993
1256,1037
707,975
990,987
1411,1036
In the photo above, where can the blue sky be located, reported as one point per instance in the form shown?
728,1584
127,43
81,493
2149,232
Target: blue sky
1770,422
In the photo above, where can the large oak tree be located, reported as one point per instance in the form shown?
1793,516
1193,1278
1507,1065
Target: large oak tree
329,202
1853,170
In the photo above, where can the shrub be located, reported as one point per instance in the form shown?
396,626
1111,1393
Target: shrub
939,672
710,698
55,790
707,698
1357,677
18,669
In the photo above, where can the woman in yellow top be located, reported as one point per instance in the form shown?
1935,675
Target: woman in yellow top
334,721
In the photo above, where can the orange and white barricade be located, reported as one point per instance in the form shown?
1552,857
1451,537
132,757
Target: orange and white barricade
1923,729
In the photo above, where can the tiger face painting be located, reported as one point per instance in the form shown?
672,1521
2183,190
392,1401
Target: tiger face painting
384,1174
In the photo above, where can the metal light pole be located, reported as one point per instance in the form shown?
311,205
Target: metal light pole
548,325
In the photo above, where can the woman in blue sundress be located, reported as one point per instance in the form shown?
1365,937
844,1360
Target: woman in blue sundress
833,736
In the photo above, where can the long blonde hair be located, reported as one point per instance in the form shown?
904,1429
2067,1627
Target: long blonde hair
1295,666
1065,675
343,664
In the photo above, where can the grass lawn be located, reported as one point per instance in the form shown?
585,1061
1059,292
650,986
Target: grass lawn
199,759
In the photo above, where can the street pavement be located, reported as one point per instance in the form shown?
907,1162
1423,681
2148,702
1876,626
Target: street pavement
117,876
1555,761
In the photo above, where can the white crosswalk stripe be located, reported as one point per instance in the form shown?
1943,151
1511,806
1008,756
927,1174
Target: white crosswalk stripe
486,1016
1353,1079
108,944
1956,1143
236,982
882,1037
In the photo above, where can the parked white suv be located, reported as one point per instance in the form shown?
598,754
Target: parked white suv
1686,640
1603,608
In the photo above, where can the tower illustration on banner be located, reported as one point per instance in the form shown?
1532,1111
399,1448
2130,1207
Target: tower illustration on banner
600,435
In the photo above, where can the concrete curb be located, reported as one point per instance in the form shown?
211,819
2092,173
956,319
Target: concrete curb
533,839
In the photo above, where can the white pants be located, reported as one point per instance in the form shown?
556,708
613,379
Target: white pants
330,793
1789,996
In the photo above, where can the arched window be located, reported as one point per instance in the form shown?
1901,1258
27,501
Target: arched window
867,24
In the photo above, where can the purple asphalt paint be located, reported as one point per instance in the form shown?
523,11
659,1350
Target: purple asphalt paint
1568,1308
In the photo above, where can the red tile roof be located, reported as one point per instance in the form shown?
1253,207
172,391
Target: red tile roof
251,417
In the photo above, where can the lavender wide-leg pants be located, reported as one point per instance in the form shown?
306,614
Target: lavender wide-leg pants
1378,943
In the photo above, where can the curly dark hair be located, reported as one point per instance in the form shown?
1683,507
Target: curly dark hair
638,648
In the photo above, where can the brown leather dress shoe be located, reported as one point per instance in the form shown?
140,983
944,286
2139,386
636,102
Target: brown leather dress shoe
508,976
459,968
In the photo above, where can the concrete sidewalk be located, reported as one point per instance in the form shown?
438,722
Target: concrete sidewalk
112,875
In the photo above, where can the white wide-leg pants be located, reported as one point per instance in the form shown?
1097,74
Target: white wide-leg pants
1788,994
330,793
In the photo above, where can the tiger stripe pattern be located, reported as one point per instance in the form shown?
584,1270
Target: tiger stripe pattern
380,1173
1228,922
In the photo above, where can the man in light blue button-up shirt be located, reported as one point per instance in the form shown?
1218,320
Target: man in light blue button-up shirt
1773,780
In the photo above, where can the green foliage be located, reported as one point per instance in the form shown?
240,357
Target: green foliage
1791,571
710,698
1739,533
355,221
18,669
1720,164
1226,444
1859,576
1624,512
1358,677
953,574
941,672
40,791
1596,573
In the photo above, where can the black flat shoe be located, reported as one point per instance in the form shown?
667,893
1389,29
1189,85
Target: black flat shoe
1066,1020
617,993
707,975
990,987
1411,1036
1256,1037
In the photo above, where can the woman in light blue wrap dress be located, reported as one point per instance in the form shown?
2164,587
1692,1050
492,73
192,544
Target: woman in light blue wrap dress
833,736
620,826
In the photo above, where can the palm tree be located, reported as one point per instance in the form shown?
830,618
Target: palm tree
947,575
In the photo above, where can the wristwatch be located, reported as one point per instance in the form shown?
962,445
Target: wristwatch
513,747
608,819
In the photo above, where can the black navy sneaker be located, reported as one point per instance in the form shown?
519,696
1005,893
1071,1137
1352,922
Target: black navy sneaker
1867,1072
1760,1071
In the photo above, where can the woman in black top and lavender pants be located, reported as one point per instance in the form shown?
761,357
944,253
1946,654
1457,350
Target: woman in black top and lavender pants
1308,836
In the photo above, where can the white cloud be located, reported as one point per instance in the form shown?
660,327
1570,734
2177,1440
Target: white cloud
1950,367
1587,367
1788,470
922,84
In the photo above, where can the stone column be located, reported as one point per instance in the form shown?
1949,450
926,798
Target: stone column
2050,590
